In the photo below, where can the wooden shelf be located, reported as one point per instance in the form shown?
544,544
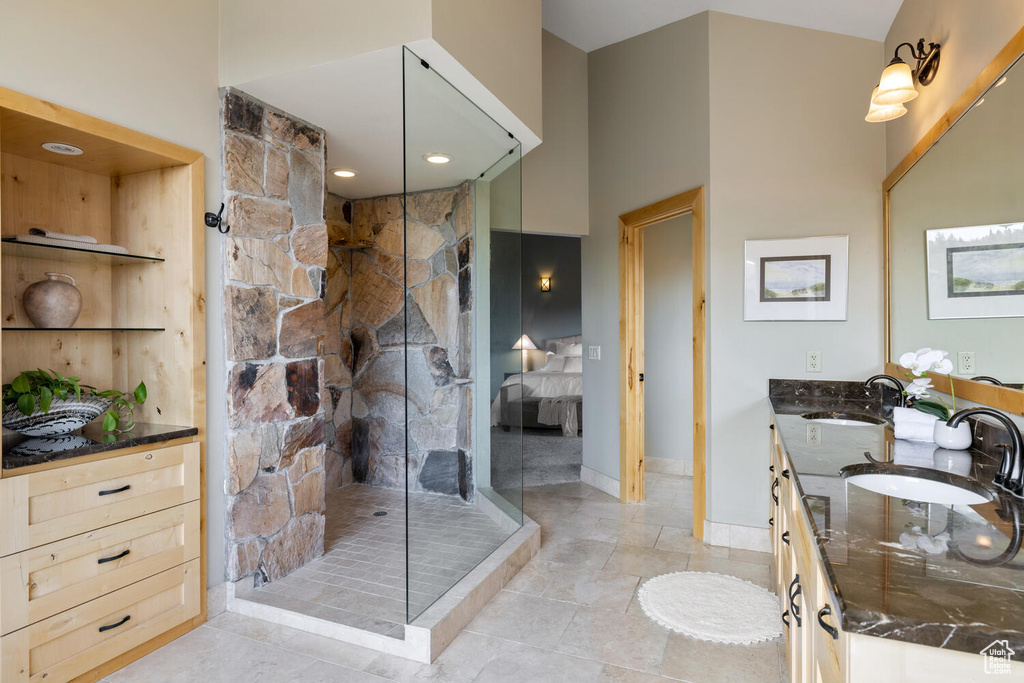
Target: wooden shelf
71,254
84,329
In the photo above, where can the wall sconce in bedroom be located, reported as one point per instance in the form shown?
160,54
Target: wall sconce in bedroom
545,284
896,85
524,345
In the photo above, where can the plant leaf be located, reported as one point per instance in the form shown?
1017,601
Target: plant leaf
26,404
109,438
110,420
45,399
140,393
932,408
21,384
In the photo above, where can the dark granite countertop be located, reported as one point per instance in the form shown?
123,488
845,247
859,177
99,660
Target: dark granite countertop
884,585
22,451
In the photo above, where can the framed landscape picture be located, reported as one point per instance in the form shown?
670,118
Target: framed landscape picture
976,271
796,279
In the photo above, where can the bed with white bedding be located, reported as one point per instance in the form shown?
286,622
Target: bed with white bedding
551,397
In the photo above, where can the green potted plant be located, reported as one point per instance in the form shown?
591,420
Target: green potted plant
41,403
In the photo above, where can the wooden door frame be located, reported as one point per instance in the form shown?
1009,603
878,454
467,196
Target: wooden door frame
631,346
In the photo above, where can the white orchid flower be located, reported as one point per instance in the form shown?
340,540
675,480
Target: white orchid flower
943,366
919,388
926,360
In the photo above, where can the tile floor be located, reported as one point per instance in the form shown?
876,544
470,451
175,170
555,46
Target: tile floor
361,579
570,615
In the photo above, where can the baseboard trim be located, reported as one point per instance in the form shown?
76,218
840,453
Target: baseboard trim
737,536
601,482
216,600
682,468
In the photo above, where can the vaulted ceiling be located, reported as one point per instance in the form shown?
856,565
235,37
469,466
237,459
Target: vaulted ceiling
592,24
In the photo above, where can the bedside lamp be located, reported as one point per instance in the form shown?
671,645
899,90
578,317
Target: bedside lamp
524,344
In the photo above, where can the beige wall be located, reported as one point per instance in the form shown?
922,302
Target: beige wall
260,38
779,170
499,42
555,174
668,341
648,141
151,67
971,34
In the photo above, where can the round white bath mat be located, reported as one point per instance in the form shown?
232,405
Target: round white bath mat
715,607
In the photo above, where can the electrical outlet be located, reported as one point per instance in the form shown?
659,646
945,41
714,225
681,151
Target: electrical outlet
814,435
814,361
965,364
595,353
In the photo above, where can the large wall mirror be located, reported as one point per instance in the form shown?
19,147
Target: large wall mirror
955,239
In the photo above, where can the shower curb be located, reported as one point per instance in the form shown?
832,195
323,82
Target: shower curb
433,630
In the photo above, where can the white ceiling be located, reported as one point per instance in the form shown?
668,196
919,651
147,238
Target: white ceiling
592,24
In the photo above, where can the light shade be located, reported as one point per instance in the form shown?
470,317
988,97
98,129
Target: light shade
545,284
525,343
896,85
879,114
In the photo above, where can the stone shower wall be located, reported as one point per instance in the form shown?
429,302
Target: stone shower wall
438,241
282,332
338,367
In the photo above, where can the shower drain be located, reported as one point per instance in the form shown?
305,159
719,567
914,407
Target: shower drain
380,513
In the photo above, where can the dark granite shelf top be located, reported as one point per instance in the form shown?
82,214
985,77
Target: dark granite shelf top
22,451
882,583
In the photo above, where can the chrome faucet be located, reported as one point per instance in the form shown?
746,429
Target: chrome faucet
986,378
1011,467
902,402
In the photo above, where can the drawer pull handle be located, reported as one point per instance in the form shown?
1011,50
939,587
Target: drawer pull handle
775,485
824,612
113,626
771,521
785,537
115,557
771,468
772,427
785,473
785,618
111,491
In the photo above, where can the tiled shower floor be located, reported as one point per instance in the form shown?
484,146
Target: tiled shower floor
360,580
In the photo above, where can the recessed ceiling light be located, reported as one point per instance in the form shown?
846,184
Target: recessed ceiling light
344,173
437,157
1001,81
62,148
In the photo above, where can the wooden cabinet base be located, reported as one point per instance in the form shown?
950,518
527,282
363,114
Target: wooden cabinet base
76,643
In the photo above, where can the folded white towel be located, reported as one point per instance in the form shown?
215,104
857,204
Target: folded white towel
916,453
913,425
85,246
43,232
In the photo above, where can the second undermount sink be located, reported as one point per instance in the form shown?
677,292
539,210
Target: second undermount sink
917,483
844,419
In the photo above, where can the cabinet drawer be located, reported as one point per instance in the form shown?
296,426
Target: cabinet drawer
43,581
47,506
71,643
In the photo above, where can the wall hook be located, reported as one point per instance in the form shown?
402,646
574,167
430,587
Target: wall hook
214,220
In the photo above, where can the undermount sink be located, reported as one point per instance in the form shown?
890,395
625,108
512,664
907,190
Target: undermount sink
917,483
844,419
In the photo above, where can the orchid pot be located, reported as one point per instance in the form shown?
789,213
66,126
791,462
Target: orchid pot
957,438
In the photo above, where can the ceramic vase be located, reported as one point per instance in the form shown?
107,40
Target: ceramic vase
53,303
954,439
954,462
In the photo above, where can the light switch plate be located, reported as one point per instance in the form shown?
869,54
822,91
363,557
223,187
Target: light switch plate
594,353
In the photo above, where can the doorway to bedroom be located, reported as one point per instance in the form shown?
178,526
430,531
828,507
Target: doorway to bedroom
539,384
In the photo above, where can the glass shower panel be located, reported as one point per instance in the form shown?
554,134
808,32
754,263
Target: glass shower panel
461,180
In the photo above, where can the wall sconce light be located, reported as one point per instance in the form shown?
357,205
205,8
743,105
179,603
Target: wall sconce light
896,85
545,284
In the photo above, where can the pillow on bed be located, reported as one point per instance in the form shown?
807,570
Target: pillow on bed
573,364
554,364
568,349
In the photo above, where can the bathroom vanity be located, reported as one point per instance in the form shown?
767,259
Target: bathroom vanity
862,599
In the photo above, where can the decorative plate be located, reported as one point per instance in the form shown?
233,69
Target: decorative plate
64,417
44,445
